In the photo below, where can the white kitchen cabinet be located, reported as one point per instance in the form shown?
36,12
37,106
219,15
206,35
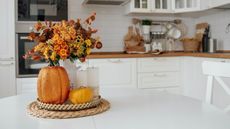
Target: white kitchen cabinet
138,6
182,6
116,72
162,72
7,78
158,79
216,3
161,6
26,85
161,64
7,31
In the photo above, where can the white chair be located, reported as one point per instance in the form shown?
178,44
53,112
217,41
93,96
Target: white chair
216,70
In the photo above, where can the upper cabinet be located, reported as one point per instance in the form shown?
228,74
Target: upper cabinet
162,6
149,6
139,6
186,5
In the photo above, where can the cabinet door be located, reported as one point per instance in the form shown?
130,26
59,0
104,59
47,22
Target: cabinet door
116,72
26,85
180,6
140,6
7,33
161,6
7,78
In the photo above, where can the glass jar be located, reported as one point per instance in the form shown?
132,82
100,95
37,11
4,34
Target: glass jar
88,77
71,70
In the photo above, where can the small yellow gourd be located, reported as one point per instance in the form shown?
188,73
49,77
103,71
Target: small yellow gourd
81,95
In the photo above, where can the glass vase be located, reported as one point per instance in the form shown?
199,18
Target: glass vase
71,70
88,77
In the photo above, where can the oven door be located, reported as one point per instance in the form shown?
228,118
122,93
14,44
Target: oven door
27,67
41,10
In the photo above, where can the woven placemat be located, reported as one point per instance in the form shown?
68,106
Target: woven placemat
33,110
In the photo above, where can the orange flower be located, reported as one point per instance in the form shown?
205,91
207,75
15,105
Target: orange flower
57,48
56,37
38,26
63,40
63,53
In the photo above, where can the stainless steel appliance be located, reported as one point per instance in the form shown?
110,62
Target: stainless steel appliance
41,10
26,67
212,45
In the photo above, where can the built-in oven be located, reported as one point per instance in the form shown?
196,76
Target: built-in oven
26,67
41,10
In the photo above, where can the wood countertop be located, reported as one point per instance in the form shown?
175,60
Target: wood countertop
101,55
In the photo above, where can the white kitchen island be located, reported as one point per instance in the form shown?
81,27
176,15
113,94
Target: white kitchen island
130,109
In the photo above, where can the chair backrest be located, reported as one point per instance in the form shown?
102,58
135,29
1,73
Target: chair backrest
216,70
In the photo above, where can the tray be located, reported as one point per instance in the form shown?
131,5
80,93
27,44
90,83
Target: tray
68,106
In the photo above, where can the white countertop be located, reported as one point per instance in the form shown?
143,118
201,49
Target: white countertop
130,109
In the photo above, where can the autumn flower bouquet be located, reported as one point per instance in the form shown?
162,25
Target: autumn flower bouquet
63,40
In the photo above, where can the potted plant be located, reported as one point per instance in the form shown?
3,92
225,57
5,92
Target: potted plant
66,40
146,25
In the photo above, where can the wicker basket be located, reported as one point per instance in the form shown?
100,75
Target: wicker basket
68,106
191,45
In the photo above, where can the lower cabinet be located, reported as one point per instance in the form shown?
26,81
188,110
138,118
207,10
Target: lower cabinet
158,79
26,85
163,72
180,75
116,72
7,78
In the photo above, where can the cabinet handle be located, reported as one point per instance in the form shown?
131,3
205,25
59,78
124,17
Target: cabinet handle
224,61
5,64
158,59
24,37
114,60
160,75
10,58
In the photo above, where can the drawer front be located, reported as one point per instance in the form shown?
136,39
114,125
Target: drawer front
158,64
158,79
116,72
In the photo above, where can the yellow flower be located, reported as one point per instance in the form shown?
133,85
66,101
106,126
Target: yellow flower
72,32
88,51
53,56
39,47
88,42
79,39
56,37
80,51
46,53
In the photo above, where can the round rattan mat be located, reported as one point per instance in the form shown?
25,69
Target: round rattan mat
33,110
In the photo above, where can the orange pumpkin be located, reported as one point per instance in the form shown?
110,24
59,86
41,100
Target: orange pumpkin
53,85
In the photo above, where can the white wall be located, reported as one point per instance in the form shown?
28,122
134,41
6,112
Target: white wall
113,23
